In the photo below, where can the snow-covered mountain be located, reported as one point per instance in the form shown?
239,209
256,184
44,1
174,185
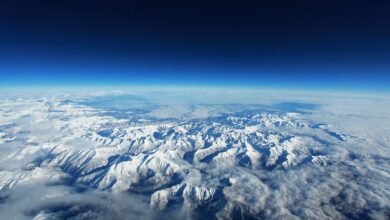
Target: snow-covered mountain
247,163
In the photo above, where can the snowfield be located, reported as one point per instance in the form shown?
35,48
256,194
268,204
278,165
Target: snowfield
87,158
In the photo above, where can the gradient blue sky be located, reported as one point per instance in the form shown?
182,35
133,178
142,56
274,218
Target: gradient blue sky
280,44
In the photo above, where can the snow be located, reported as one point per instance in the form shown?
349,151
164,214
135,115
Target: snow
268,163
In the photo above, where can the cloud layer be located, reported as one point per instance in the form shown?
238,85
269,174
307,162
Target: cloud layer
67,157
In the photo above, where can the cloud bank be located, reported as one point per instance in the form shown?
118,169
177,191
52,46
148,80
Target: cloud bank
63,157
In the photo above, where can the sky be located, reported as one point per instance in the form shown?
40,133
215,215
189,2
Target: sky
266,44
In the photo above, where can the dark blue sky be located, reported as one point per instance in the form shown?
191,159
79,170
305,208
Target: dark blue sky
289,44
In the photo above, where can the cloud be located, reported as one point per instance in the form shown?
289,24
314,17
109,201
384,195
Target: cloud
242,162
27,201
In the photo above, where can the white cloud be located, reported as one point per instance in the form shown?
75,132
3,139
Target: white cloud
229,160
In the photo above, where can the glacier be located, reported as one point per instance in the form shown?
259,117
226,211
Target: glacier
123,155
